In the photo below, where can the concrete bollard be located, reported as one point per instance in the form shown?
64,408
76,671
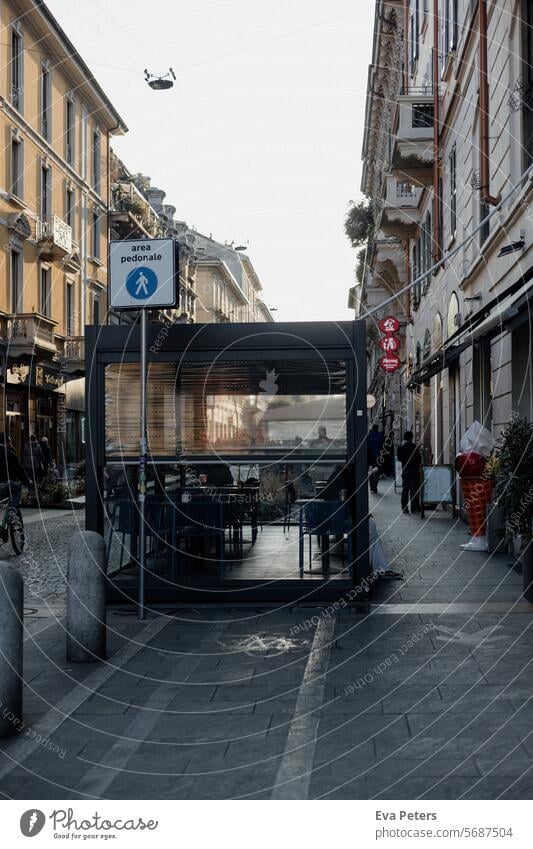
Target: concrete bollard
11,614
86,625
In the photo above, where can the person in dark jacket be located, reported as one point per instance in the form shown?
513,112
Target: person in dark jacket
409,456
11,472
47,453
374,442
32,459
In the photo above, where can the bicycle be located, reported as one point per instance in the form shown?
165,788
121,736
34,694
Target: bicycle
12,526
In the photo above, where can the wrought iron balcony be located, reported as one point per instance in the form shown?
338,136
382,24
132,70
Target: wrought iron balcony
73,358
54,235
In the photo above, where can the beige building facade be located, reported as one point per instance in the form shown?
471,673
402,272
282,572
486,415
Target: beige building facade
56,125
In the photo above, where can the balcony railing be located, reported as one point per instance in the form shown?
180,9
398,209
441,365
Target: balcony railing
28,331
55,234
129,200
73,357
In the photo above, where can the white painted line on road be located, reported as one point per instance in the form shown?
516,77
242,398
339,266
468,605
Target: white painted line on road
293,778
99,778
24,746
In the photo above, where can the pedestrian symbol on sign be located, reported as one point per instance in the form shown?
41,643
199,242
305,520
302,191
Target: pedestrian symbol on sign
141,283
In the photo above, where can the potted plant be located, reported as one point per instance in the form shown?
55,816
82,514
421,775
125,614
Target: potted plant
495,511
514,491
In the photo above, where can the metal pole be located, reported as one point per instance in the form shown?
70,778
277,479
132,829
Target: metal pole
142,467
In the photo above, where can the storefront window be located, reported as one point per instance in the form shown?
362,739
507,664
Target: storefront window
229,409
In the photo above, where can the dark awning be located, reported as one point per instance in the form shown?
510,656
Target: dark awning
489,321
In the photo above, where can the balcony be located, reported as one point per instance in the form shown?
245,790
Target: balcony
132,214
413,154
30,334
73,358
401,208
54,236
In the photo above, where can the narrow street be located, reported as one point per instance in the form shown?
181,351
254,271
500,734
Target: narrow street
428,696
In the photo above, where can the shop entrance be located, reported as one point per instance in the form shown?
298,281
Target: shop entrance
257,461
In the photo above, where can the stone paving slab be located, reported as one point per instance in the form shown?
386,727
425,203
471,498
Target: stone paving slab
198,712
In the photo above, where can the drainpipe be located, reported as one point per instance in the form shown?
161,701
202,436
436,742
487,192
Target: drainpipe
484,158
437,247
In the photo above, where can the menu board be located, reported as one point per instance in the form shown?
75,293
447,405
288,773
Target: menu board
437,485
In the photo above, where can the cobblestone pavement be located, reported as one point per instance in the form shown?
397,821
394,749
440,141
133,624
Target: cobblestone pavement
429,695
43,561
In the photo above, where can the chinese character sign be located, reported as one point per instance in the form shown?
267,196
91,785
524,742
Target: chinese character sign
389,344
389,324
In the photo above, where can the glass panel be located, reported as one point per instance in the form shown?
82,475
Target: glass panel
122,405
245,527
294,409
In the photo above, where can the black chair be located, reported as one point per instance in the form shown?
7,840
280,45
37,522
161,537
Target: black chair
124,520
197,520
323,519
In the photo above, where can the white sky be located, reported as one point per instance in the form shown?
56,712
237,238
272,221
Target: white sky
262,144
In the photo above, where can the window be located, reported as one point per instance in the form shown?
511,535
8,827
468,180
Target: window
96,235
70,117
70,208
16,282
46,101
45,292
84,129
453,192
16,68
484,211
449,29
422,115
440,222
527,82
70,320
429,251
17,167
96,310
415,274
96,161
46,190
412,42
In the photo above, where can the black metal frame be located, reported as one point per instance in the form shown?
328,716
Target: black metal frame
343,340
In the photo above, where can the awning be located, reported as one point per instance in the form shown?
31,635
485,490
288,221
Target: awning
435,363
489,321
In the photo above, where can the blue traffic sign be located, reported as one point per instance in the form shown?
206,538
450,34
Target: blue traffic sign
141,283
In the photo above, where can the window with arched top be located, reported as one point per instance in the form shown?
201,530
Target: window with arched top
453,315
426,347
437,332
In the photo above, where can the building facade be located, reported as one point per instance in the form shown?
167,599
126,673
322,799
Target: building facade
447,153
228,288
138,211
56,124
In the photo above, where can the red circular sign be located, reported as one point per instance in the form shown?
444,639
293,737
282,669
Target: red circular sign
390,344
390,364
389,324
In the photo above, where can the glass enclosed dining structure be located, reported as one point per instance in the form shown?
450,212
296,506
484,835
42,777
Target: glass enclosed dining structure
257,466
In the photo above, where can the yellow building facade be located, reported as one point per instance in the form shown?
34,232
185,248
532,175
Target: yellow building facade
55,125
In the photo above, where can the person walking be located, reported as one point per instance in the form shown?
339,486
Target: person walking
409,456
374,442
48,459
32,460
11,472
